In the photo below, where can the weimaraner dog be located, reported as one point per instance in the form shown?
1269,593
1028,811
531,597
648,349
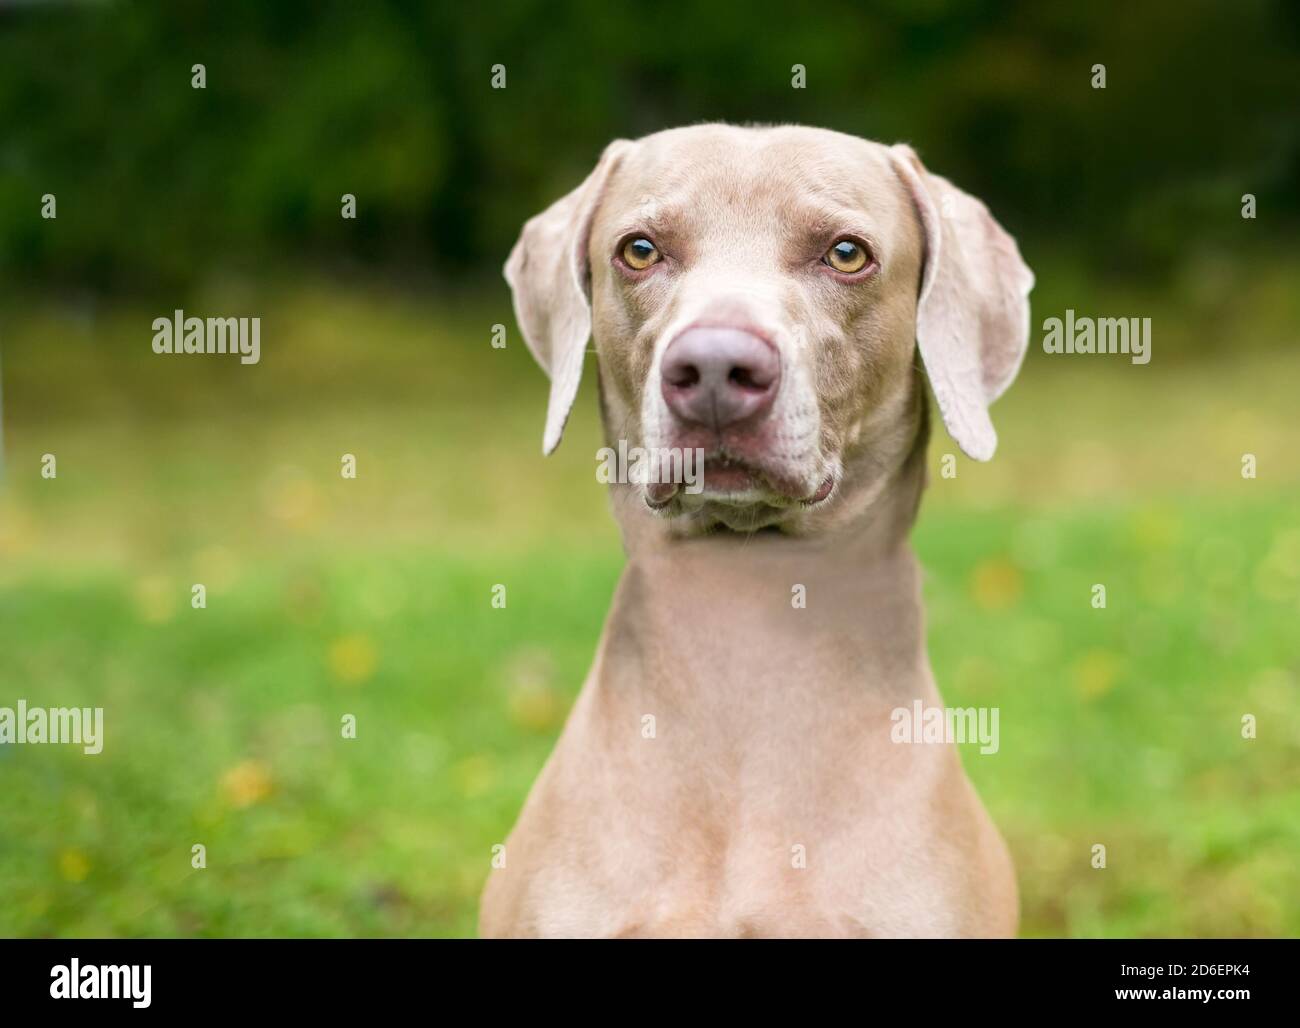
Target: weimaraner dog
761,295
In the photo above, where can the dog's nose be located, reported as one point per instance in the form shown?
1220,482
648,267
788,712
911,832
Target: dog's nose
719,376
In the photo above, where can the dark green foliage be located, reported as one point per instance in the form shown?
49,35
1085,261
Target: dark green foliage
159,183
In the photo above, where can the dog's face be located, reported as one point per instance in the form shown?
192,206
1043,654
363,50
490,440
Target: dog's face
758,295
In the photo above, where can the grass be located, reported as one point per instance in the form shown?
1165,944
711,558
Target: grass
329,597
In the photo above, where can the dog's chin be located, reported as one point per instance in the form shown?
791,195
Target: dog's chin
712,516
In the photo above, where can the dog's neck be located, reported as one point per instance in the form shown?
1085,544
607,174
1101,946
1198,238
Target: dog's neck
747,608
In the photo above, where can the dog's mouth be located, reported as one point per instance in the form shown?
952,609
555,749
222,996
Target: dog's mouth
729,481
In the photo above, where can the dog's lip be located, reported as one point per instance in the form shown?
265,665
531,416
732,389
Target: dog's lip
730,474
824,490
727,474
756,476
659,494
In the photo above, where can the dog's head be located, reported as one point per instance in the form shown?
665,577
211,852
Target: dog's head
759,294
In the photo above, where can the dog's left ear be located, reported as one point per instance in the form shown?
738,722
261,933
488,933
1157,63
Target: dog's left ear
550,281
972,312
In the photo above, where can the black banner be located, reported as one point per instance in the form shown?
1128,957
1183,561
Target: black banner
143,978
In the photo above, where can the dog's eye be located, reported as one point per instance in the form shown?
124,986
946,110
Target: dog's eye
847,256
639,254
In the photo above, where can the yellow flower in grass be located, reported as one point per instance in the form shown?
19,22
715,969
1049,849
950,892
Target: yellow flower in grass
247,783
533,703
996,584
535,707
74,865
1096,673
352,658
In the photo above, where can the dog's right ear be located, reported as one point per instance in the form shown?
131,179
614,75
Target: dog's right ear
551,283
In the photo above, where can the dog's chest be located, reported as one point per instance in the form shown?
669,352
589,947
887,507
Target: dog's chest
779,897
788,848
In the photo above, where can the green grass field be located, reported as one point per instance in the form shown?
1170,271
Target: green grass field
328,597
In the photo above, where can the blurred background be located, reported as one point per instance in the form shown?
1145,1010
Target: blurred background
371,596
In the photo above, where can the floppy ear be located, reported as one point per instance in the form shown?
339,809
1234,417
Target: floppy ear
972,313
550,281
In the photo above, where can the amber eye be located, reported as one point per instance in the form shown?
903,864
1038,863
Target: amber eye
640,253
847,256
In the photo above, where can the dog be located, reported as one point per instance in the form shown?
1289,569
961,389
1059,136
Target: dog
761,295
